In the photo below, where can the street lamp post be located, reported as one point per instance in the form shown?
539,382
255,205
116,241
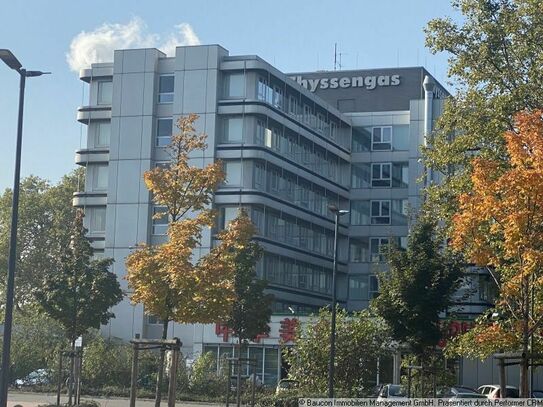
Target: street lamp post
337,212
11,61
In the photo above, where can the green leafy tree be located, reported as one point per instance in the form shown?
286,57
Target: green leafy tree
251,312
81,291
360,340
419,286
44,212
495,58
166,278
36,342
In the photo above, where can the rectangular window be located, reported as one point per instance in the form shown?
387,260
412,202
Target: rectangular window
233,130
276,227
321,123
103,134
307,152
260,133
381,138
304,198
401,138
360,212
307,114
320,204
359,250
227,215
264,92
97,221
235,85
400,175
289,187
159,220
291,231
99,177
380,175
154,320
277,97
361,140
105,92
333,168
360,175
274,180
260,176
399,211
257,216
306,234
333,130
373,287
165,89
293,105
380,212
164,132
378,247
358,287
233,173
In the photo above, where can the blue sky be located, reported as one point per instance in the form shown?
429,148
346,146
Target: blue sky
295,35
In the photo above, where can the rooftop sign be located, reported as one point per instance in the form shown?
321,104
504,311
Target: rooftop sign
369,82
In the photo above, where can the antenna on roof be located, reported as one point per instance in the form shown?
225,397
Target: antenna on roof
337,63
335,56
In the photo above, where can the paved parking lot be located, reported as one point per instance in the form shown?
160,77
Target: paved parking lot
35,399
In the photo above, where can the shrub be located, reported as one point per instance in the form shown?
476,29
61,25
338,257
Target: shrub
204,378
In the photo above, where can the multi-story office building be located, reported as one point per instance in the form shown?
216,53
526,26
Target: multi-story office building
291,145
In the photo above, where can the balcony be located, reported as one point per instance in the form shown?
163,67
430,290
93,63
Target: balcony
84,198
94,155
88,113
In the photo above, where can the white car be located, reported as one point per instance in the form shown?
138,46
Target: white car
492,391
35,378
392,391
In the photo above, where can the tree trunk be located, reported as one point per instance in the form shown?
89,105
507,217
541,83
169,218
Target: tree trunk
523,379
238,386
160,376
71,378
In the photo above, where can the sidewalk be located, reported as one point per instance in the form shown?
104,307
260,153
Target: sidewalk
35,399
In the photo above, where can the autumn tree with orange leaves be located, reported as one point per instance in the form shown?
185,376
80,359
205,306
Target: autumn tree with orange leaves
165,278
499,226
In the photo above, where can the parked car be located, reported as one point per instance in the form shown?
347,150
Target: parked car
285,385
392,391
537,394
458,392
35,378
492,391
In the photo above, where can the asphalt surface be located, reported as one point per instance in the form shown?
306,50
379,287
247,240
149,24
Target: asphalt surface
36,399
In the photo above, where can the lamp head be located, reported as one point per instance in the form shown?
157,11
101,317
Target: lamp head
335,210
9,59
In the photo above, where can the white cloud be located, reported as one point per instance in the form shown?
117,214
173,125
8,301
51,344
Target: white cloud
184,36
98,45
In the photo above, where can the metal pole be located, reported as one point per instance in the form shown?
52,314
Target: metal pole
501,363
238,378
59,384
254,386
229,383
134,381
8,319
409,382
333,323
